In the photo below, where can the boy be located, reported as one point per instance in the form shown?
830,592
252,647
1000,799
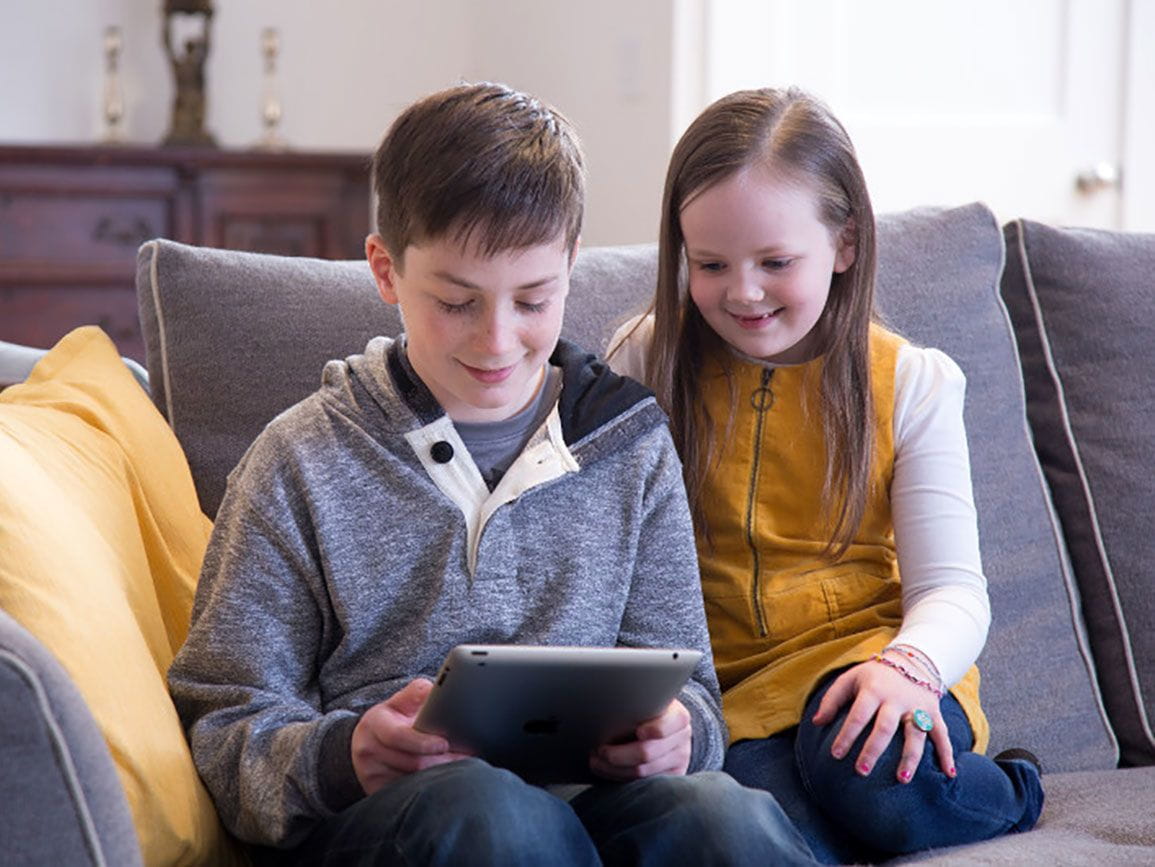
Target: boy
474,481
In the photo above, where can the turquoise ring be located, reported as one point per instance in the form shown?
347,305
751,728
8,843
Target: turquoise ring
921,720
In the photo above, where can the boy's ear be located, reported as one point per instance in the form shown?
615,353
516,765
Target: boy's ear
847,248
383,266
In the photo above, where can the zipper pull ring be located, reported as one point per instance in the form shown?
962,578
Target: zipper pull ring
762,398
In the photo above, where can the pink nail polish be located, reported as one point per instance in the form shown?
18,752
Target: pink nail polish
952,772
863,768
904,775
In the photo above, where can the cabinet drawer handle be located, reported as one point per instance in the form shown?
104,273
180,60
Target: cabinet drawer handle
126,234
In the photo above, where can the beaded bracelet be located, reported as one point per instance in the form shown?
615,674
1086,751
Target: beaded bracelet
905,672
916,656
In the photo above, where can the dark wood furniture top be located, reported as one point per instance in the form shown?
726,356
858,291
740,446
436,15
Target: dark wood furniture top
71,219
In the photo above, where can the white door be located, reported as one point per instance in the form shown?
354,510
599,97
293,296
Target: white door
1006,101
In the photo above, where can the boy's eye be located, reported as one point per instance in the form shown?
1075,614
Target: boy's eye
532,306
454,308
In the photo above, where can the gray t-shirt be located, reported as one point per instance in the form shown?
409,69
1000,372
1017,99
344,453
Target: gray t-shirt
494,445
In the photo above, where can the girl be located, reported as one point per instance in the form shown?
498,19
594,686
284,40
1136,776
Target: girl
827,468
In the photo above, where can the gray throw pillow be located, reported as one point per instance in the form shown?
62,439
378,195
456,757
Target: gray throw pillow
1083,303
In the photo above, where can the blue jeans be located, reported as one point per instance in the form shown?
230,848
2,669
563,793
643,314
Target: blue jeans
846,817
468,812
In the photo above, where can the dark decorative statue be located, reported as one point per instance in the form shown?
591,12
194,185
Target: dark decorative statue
188,67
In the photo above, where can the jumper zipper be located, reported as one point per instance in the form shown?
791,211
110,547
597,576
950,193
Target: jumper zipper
761,399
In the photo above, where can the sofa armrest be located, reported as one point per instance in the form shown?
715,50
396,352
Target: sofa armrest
61,801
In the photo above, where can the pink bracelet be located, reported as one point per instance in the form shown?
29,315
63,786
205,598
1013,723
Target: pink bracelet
902,669
920,659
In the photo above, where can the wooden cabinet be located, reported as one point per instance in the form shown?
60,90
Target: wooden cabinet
71,219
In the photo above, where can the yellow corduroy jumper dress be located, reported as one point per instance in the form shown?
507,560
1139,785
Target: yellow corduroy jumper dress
780,616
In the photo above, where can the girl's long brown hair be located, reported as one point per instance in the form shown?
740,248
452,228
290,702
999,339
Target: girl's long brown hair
795,135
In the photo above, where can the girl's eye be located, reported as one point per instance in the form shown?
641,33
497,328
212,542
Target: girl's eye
711,267
775,264
533,307
454,308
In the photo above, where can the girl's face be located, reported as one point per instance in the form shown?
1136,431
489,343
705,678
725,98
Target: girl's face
761,262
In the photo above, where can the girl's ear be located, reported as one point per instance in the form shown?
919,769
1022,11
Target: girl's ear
383,266
847,247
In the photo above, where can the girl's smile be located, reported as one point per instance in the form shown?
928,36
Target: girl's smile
761,261
754,321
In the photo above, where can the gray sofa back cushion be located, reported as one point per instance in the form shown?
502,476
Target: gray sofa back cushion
1083,303
55,770
233,338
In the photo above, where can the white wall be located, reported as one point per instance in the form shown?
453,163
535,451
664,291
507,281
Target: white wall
343,72
346,68
607,68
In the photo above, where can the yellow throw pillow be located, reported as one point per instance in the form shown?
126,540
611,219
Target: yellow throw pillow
101,541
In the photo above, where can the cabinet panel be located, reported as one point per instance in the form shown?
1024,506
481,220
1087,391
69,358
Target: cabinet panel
41,316
45,230
286,236
299,212
72,218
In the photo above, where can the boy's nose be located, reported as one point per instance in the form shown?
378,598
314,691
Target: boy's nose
497,334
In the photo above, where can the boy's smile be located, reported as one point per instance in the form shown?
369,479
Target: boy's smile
479,328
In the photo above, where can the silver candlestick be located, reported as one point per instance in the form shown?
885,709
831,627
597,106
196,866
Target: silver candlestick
270,101
113,100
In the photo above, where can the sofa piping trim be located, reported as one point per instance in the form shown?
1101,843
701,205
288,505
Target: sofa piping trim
1085,486
154,282
60,747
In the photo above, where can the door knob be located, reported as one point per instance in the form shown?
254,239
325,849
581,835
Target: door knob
1100,176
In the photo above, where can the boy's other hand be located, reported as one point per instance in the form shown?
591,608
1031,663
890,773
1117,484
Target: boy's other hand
385,744
662,746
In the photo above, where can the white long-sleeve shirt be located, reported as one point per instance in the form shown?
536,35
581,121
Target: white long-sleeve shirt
946,609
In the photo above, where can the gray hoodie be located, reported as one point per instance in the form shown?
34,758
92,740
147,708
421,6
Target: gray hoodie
349,556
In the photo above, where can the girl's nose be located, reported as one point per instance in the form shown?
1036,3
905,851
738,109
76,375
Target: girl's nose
745,286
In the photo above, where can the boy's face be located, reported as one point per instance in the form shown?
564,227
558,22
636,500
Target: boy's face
480,328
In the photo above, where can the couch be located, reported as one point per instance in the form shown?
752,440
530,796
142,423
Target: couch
1049,324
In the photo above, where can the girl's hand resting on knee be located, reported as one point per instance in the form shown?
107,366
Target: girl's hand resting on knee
661,746
882,694
385,744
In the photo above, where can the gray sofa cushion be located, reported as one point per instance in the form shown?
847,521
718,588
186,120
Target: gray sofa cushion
1095,818
233,338
1083,302
55,770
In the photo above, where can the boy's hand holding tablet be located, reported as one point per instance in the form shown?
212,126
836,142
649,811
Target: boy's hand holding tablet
385,744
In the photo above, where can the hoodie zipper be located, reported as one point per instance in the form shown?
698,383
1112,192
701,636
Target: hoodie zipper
761,399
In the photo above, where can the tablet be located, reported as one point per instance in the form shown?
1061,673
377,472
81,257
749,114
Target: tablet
539,711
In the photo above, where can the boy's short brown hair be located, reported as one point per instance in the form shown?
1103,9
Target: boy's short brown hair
482,163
